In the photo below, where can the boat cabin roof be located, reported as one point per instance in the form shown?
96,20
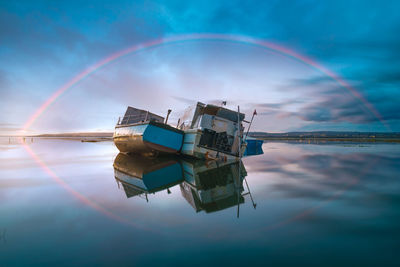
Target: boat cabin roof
223,113
135,115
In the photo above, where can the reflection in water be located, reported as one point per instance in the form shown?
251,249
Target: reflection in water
317,202
142,175
213,186
209,186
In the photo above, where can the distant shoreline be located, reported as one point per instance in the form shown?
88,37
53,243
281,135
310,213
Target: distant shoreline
70,135
91,134
330,136
322,139
320,136
83,137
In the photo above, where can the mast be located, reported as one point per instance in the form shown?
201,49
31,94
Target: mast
248,129
239,157
238,126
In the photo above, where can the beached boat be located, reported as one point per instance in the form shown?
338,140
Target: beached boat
254,142
253,146
142,132
215,132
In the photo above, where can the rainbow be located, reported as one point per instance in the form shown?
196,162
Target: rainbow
159,42
201,37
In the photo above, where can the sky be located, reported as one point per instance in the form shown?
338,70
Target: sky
45,44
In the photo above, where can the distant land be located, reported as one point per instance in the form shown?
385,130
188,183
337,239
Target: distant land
86,134
343,136
314,134
83,137
330,136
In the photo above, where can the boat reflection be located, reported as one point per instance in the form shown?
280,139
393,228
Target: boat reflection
142,175
206,186
213,186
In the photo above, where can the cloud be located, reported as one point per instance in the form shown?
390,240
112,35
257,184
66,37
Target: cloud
46,44
334,103
184,100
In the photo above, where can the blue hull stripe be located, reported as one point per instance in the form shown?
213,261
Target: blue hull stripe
163,137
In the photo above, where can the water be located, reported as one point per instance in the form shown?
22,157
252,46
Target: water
330,204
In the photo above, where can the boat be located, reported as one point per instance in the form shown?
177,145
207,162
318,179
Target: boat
215,132
143,132
254,142
253,146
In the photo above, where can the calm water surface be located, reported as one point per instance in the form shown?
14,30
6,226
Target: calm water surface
62,202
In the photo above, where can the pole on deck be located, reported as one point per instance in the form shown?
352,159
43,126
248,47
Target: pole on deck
169,112
251,121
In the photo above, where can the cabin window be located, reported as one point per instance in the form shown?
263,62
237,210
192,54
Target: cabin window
219,141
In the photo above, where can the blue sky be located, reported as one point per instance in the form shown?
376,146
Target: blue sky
44,44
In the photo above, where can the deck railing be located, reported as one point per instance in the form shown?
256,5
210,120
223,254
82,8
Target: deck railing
132,119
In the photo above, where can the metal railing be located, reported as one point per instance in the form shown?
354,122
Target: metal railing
132,119
184,125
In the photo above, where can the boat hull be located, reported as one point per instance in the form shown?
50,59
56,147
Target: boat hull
148,138
254,147
253,142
